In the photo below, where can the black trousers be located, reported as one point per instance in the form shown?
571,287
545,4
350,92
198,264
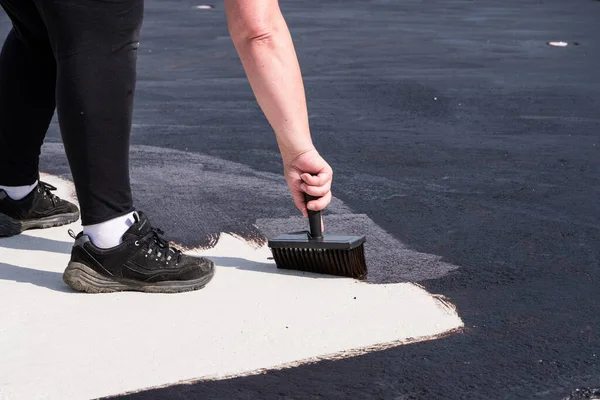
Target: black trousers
78,56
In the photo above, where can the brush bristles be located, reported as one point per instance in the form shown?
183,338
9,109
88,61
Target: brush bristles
350,263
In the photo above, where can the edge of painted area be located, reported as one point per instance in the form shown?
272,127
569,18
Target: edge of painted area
308,361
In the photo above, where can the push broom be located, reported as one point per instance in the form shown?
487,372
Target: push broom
311,251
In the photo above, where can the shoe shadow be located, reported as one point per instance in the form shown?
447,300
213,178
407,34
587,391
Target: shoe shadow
255,266
46,279
25,242
42,278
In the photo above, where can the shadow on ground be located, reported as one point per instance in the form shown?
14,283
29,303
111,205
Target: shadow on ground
46,279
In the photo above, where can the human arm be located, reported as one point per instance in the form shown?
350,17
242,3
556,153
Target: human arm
265,47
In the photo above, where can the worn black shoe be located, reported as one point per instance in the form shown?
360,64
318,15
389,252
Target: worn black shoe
39,209
144,262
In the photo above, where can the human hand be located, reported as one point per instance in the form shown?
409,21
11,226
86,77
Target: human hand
309,173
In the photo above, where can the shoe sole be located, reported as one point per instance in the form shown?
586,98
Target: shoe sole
11,227
84,279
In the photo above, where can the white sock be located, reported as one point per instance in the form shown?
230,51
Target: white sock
110,233
18,192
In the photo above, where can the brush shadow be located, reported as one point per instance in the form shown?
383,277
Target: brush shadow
45,279
256,266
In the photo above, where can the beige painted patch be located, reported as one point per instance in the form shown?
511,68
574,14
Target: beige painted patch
251,317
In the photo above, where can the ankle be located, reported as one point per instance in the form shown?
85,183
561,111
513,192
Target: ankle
19,192
108,234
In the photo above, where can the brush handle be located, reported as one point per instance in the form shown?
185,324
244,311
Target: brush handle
314,219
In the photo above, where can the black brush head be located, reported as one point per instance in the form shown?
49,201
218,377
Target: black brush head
332,255
323,254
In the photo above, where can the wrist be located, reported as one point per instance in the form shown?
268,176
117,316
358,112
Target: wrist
289,155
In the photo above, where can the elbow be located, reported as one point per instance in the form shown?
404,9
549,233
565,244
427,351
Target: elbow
259,35
254,23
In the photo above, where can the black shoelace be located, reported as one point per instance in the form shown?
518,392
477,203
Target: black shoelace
47,190
160,247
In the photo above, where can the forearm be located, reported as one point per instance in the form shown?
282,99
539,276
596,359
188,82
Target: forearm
272,68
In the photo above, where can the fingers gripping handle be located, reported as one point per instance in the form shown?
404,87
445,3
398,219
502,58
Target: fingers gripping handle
314,219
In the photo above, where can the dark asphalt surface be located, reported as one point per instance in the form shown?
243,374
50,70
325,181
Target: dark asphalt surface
453,127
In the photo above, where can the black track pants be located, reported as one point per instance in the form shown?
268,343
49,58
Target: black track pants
78,56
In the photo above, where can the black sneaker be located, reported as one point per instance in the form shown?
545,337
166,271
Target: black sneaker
144,262
39,209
